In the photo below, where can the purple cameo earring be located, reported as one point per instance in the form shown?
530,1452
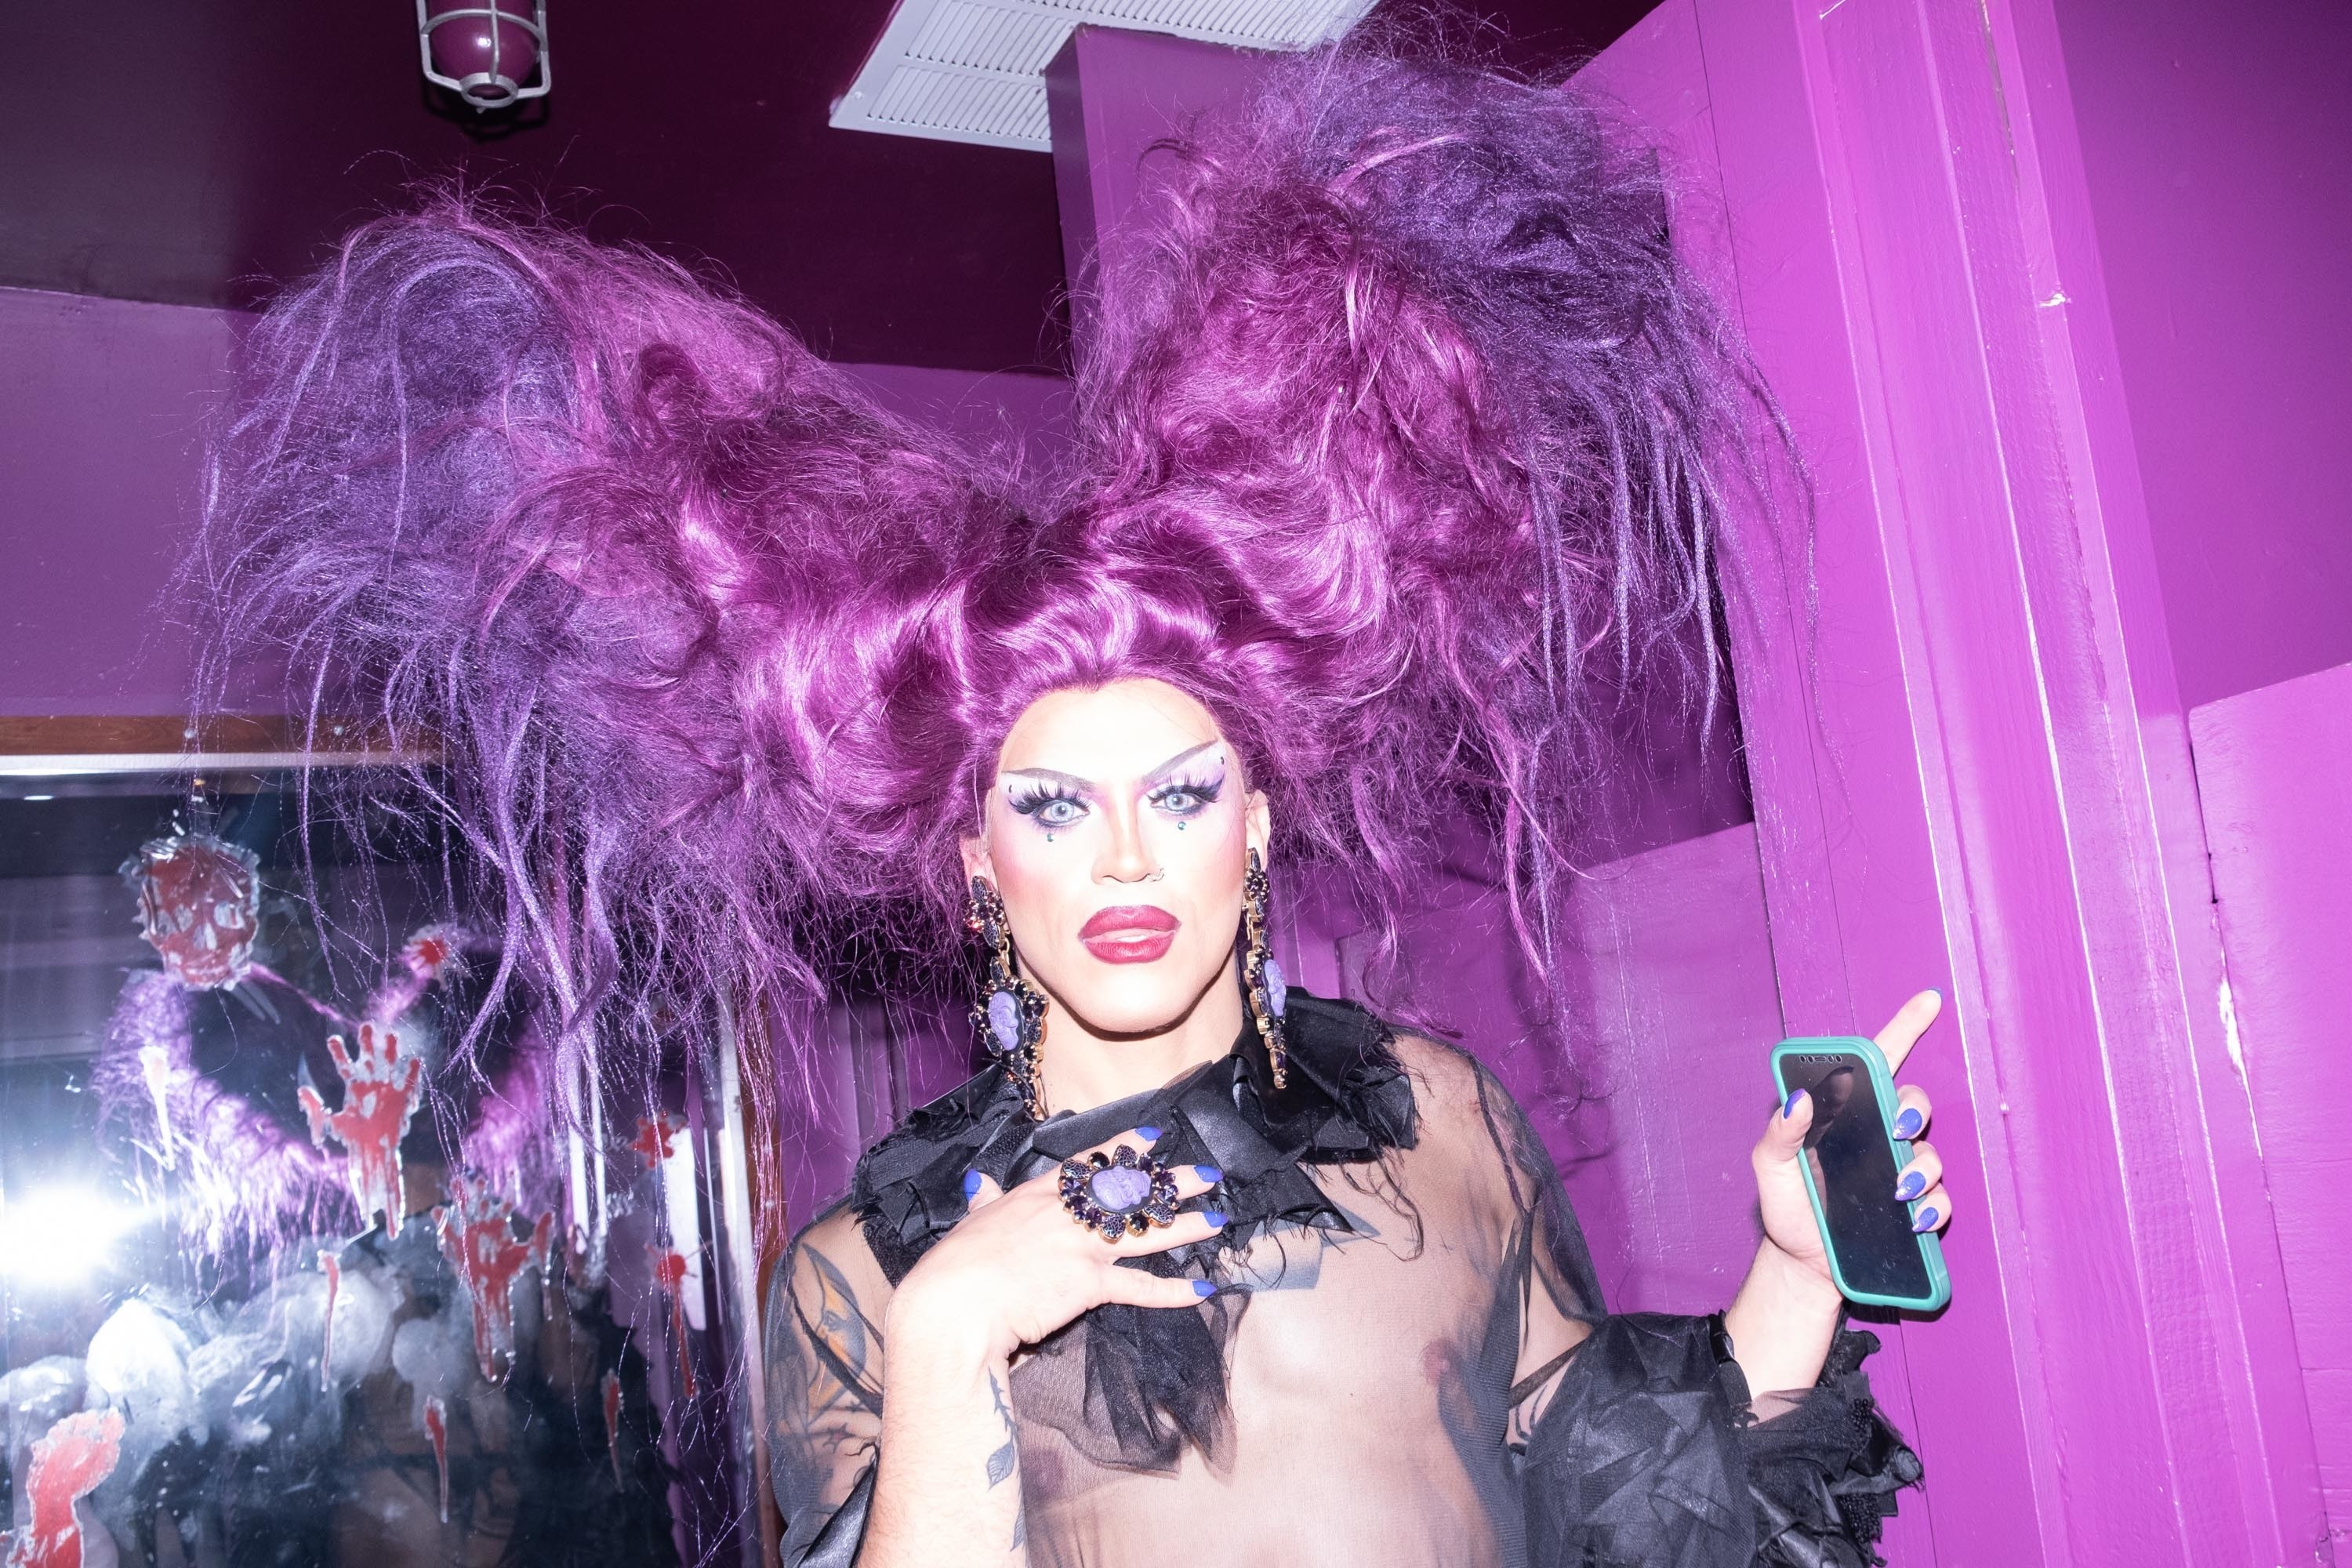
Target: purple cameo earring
1262,978
1010,1012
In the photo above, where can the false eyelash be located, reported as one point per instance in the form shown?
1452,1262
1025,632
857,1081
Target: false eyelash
1207,790
1031,799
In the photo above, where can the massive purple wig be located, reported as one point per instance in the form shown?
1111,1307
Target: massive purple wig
1400,449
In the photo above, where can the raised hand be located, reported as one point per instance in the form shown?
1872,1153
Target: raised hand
1786,1312
1017,1266
1014,1268
1789,1221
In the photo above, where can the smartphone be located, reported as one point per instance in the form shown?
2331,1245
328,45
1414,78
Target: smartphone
1851,1161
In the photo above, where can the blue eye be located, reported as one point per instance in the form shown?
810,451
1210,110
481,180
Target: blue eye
1050,808
1184,799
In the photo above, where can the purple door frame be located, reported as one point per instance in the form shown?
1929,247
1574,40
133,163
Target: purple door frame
1986,776
1970,758
2274,772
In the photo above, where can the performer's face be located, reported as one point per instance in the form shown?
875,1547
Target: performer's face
1118,831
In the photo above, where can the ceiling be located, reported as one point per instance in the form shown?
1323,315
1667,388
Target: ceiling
195,150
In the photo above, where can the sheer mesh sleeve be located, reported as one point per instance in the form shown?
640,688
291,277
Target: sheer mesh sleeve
1638,1443
824,1344
1415,1367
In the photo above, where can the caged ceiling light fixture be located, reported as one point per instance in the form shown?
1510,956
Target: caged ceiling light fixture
974,70
491,53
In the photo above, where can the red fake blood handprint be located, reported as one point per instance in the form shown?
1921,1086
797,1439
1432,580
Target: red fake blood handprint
199,906
379,1097
477,1237
67,1464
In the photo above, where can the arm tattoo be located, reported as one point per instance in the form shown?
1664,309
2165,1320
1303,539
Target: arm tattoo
839,1337
1001,1463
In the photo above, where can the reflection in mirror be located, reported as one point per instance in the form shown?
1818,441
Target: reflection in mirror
303,1257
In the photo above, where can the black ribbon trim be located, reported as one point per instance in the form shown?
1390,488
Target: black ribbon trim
1155,1381
1347,1101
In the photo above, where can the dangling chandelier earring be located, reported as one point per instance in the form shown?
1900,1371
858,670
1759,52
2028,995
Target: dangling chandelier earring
1261,980
1011,1012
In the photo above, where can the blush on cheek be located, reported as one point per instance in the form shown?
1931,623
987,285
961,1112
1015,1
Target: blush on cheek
1203,851
1029,866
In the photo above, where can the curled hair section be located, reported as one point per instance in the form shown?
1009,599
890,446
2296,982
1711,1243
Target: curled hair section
1406,360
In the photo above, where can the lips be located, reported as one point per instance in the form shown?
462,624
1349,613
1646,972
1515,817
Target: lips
1129,933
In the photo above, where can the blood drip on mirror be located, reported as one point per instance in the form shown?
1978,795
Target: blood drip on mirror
332,1268
437,1428
612,1388
669,1273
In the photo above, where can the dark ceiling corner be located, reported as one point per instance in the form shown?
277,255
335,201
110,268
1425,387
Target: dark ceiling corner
199,152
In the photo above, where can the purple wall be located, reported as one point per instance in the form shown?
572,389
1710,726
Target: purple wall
1669,1004
101,416
1030,414
1970,770
2217,149
1673,1004
103,411
2275,768
1113,93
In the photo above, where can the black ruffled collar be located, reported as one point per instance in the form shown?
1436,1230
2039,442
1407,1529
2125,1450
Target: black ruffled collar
1155,1381
1346,1102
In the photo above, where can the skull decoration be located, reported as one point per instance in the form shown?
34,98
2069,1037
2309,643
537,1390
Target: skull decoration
199,906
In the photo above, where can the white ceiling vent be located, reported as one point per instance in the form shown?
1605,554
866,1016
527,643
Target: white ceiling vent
974,70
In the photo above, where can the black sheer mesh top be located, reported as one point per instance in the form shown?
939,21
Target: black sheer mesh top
1407,1361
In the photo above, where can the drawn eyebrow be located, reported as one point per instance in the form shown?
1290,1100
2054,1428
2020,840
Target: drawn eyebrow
1077,785
1178,761
1070,781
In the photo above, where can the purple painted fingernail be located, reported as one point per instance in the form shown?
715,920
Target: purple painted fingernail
970,1185
1927,1220
1148,1134
1911,1187
1908,1125
1216,1219
1209,1174
1789,1106
1204,1286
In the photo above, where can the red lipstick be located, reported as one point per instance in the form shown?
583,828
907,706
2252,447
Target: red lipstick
1129,933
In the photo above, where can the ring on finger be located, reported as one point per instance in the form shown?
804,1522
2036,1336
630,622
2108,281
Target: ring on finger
1123,1194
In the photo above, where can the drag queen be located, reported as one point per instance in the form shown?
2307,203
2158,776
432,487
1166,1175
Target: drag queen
1402,455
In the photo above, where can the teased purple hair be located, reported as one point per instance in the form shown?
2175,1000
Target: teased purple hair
1405,414
246,1181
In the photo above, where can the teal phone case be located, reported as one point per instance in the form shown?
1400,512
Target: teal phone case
1931,1250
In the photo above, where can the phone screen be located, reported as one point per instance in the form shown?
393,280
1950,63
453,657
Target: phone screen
1853,1164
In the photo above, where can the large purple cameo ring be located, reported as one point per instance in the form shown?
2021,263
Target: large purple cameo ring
1125,1194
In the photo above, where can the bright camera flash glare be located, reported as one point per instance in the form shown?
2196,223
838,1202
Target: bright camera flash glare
60,1234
